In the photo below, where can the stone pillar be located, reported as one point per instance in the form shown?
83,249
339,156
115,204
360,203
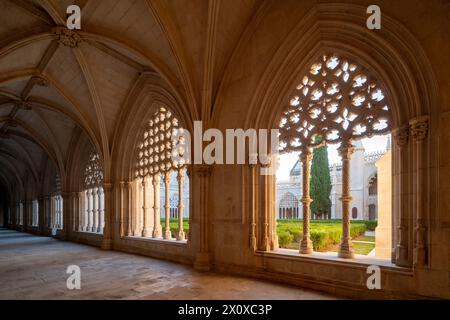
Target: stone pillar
383,231
75,211
306,246
101,210
146,232
167,232
346,246
65,214
81,210
41,226
157,229
89,210
180,179
129,216
419,132
122,224
264,241
400,193
253,205
202,258
107,232
94,209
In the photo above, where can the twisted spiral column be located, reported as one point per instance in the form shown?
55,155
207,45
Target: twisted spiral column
346,246
306,246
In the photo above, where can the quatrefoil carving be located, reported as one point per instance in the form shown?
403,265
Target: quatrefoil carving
93,173
337,100
155,150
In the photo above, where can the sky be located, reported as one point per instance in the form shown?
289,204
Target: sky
287,161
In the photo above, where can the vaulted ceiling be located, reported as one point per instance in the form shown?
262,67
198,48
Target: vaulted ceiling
56,84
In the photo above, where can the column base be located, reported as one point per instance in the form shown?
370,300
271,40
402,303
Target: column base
346,250
157,232
146,233
420,256
306,246
107,244
401,256
181,236
167,234
202,262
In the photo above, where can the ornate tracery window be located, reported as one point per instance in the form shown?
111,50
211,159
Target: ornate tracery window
92,208
337,101
159,179
288,207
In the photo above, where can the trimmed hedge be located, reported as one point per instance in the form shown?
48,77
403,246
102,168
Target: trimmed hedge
323,232
371,225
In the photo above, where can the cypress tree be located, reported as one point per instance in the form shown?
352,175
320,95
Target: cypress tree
320,182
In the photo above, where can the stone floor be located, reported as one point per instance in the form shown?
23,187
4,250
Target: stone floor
33,267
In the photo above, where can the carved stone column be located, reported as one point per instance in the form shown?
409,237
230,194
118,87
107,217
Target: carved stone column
94,209
41,226
129,216
89,210
180,179
264,241
65,206
146,232
75,211
107,231
253,205
157,229
419,132
101,210
306,246
346,247
400,167
122,224
167,232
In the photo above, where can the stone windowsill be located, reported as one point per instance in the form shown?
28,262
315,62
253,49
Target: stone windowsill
172,241
89,233
359,261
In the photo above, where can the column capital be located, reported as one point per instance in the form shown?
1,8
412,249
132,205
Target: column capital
107,186
419,128
305,155
401,135
167,177
346,149
156,180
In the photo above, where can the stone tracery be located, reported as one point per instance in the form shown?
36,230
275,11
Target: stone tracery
156,161
92,208
337,101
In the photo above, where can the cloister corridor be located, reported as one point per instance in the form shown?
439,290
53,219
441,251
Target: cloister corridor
34,267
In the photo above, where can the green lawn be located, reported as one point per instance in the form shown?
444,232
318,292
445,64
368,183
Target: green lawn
174,225
325,234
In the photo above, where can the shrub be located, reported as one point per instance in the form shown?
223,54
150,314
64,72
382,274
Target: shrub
285,238
371,225
323,232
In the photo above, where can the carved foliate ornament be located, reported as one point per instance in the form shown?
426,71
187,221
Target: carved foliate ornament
337,100
67,37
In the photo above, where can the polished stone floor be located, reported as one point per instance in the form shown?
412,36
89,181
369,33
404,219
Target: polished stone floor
33,267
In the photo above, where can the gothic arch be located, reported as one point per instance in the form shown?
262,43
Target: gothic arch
397,60
142,102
